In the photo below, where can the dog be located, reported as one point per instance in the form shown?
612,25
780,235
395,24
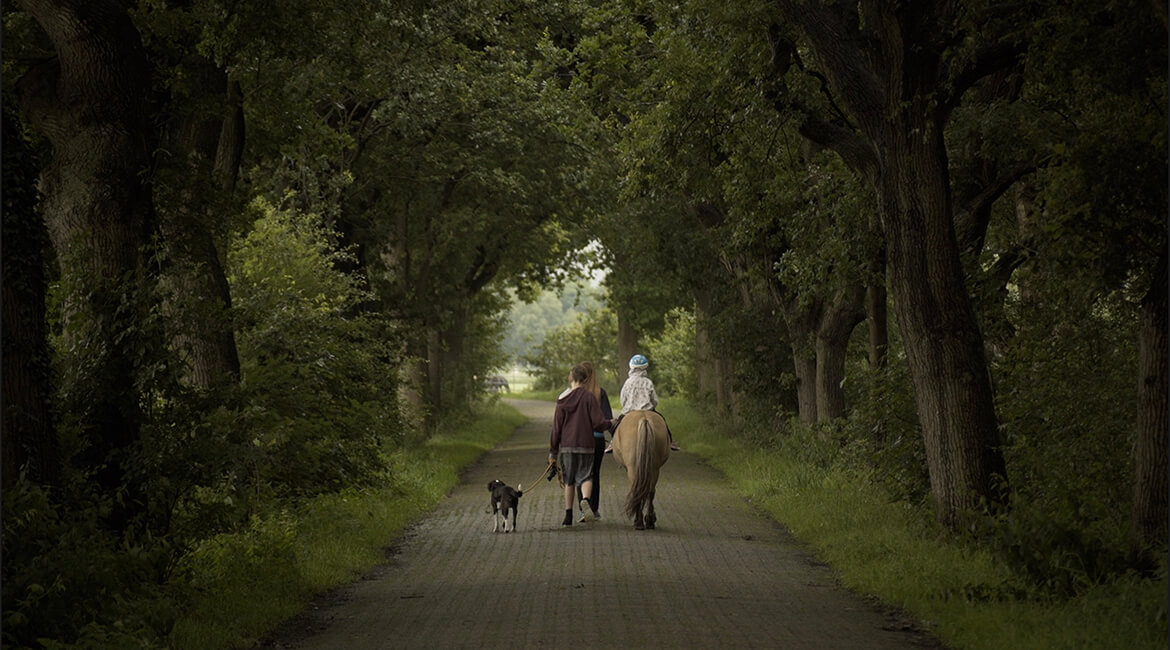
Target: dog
504,499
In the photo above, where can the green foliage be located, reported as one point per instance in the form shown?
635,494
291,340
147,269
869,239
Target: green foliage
593,337
318,372
1066,392
751,340
673,356
883,439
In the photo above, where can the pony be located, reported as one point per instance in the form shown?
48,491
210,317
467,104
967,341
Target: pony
641,446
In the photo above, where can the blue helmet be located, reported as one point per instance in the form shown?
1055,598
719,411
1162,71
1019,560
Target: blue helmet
639,361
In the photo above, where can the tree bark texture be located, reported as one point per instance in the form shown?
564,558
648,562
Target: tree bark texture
876,312
1150,451
944,347
29,437
91,103
201,160
806,386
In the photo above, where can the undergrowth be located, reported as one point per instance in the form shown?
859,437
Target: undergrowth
242,584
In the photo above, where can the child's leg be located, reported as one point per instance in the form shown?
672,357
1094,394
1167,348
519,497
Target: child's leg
669,436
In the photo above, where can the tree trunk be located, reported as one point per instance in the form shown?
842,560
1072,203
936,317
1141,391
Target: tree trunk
458,379
206,151
627,344
876,312
1150,451
805,368
801,322
876,302
29,438
91,103
714,374
836,326
705,370
944,346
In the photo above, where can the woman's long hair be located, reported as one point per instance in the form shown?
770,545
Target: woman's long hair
591,382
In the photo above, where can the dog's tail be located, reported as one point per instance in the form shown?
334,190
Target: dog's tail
519,490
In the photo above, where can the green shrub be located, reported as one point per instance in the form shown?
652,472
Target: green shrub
672,356
319,374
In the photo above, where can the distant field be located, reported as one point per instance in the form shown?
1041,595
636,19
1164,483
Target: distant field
518,379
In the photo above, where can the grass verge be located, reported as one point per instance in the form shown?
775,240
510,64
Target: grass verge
243,584
895,553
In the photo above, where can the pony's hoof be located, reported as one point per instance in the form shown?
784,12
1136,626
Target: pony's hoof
639,527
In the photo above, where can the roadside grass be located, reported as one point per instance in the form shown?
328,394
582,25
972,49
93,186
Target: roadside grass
243,584
894,552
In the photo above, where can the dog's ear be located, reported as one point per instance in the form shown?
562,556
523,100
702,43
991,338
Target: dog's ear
491,486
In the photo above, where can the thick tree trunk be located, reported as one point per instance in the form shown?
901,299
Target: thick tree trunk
805,367
1150,451
944,346
206,151
29,437
92,105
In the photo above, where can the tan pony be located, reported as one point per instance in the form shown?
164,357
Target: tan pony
641,446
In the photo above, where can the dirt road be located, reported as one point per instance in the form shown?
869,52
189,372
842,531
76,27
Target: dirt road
715,573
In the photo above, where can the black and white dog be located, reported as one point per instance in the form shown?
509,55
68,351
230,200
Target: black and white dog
504,499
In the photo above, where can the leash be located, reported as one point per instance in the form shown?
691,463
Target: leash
544,473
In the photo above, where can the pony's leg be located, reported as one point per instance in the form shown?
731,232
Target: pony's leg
651,518
639,523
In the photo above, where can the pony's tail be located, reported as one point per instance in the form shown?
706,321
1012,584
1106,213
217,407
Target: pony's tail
643,469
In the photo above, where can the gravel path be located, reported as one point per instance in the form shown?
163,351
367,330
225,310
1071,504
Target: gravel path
715,573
